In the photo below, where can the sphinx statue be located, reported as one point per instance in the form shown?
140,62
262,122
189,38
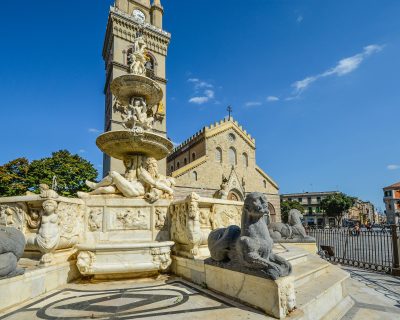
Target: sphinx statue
293,231
249,249
12,246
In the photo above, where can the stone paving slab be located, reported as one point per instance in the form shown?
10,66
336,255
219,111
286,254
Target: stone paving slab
173,299
376,295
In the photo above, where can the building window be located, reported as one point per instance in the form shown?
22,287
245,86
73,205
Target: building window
194,175
309,210
289,199
193,156
231,137
232,156
185,162
300,200
218,155
309,200
172,168
178,165
265,184
245,159
318,199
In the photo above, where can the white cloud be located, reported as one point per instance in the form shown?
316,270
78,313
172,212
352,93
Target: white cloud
343,67
253,104
209,94
199,100
299,19
199,84
272,98
393,167
203,91
94,130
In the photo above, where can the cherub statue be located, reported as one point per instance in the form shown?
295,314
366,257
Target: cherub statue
140,115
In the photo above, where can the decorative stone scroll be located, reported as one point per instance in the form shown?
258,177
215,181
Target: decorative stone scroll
194,218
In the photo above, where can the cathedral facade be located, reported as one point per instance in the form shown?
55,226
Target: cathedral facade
220,161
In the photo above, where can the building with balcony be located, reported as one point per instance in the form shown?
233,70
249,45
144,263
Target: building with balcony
311,201
391,198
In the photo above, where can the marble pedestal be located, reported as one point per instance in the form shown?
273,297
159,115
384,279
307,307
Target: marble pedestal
316,288
124,238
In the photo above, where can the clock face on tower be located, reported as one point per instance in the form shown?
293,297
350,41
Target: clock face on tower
139,15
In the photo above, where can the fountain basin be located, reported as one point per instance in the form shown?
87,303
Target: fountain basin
123,144
127,86
124,259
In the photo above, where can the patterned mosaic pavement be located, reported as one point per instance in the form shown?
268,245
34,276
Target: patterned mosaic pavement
131,300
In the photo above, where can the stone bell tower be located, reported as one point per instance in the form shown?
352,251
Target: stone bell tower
126,20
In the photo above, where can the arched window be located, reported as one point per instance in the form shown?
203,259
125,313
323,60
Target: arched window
218,155
178,165
265,184
232,156
193,156
172,168
272,212
185,162
194,175
245,159
150,65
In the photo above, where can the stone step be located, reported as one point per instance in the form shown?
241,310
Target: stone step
306,271
295,256
320,296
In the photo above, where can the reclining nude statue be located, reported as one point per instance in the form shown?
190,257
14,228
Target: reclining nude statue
291,232
249,248
136,182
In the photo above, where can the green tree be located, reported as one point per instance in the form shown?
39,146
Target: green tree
286,206
71,171
335,205
13,177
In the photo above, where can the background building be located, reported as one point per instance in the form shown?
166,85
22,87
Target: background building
362,211
221,154
391,198
311,201
126,19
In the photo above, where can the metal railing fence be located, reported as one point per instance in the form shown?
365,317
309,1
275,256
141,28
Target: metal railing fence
376,250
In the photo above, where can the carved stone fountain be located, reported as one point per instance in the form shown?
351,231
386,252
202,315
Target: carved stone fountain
127,212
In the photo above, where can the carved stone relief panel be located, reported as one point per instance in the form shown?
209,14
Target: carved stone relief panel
161,219
129,218
13,215
205,214
70,220
95,219
225,215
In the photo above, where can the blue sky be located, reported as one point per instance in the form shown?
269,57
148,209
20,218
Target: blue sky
315,82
